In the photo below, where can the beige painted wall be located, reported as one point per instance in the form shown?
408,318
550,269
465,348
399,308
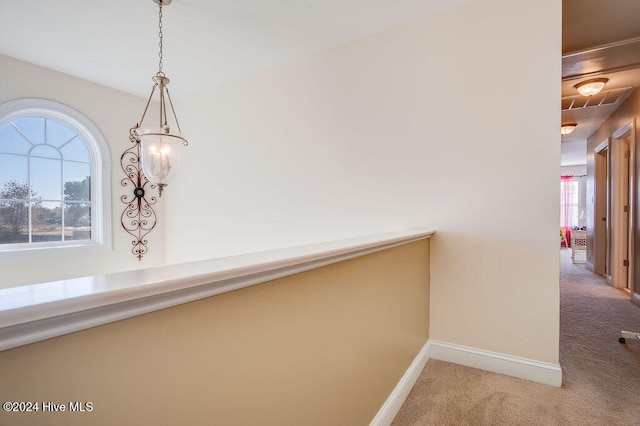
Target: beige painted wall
628,111
450,123
323,347
114,113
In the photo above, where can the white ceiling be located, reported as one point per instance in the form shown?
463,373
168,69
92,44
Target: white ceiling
115,42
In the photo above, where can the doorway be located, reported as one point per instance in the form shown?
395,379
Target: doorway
613,210
620,228
624,138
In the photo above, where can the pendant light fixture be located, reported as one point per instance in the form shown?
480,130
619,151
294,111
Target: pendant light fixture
160,146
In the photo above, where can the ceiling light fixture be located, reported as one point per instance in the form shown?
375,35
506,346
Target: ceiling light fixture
591,87
567,128
160,147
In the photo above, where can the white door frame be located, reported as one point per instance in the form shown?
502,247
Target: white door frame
620,206
628,130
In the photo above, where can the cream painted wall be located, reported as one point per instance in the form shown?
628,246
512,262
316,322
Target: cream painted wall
424,125
114,113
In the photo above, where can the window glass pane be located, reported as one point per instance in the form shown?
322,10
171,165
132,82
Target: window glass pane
12,141
77,221
32,127
13,167
46,178
14,190
46,222
58,134
569,203
45,151
77,181
14,218
76,150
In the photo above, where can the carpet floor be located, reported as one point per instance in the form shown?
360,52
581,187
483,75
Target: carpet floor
601,377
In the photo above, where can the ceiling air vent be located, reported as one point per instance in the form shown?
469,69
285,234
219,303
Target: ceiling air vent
606,97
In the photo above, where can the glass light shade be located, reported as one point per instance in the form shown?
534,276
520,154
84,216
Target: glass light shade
159,154
591,87
567,128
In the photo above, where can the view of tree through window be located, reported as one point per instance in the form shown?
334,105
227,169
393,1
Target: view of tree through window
45,182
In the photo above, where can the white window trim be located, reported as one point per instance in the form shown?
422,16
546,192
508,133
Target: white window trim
100,178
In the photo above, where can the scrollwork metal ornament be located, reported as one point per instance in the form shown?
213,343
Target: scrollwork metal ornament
138,217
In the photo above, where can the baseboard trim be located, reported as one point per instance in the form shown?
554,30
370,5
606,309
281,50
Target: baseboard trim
590,266
523,368
399,394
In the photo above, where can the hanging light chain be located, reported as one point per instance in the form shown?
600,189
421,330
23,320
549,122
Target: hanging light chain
160,35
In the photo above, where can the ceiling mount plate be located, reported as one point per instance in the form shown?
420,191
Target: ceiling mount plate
162,2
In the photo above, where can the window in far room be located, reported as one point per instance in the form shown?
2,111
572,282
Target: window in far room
573,202
569,202
53,179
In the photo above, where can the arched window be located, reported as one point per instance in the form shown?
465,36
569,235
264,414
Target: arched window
54,179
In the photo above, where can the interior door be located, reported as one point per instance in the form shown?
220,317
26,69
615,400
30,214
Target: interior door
625,228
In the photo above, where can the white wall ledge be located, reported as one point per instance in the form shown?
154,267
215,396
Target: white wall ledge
41,311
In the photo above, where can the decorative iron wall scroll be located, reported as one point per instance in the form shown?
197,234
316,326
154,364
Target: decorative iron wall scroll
138,217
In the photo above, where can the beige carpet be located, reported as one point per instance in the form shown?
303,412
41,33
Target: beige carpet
601,377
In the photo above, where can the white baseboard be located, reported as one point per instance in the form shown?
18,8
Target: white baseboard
590,266
399,394
523,368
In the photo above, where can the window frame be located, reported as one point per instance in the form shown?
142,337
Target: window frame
100,161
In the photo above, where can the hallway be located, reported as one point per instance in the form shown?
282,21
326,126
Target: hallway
601,377
594,364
